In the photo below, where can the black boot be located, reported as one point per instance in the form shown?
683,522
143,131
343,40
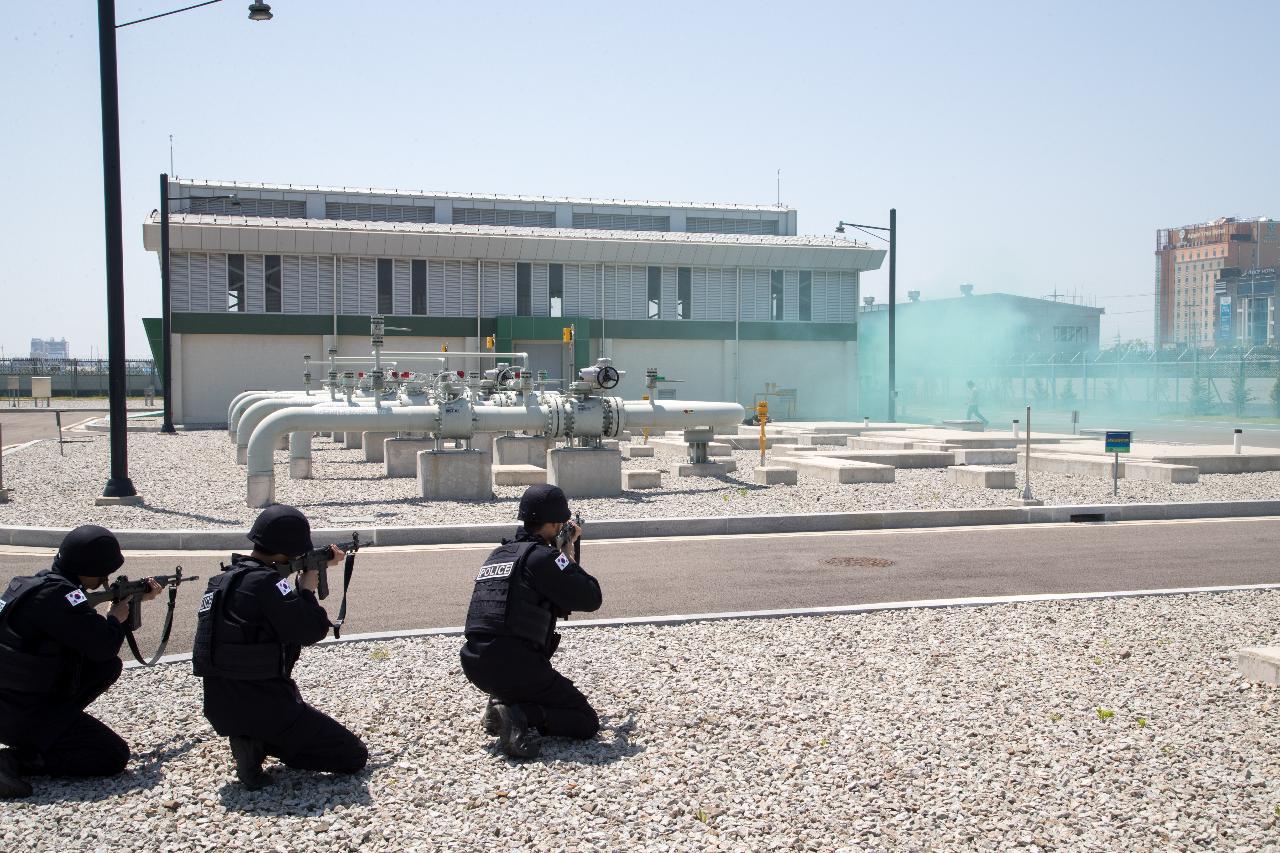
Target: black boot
12,785
491,721
514,735
249,755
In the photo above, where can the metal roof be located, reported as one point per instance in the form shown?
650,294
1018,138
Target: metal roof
208,232
457,196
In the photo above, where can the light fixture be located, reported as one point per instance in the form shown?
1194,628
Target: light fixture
259,12
840,228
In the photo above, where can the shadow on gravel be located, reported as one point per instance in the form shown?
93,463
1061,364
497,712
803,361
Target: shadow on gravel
145,775
297,793
613,743
192,515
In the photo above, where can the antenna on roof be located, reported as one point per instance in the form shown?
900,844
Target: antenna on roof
779,188
171,172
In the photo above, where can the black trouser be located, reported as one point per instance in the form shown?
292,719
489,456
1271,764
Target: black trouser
62,740
316,741
514,673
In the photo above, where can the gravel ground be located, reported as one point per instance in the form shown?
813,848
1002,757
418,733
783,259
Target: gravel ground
133,403
1103,725
190,480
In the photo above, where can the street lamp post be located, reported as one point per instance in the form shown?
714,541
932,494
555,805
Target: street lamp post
893,297
119,488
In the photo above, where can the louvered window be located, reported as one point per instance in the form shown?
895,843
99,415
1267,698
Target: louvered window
655,292
684,293
386,294
277,208
806,295
775,295
418,287
621,222
503,216
361,212
274,302
717,225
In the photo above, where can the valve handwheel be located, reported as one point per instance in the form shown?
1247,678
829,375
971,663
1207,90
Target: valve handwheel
608,377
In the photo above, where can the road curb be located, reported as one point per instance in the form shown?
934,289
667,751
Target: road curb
833,610
647,528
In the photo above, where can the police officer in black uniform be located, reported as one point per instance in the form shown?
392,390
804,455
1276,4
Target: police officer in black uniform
250,630
524,585
57,655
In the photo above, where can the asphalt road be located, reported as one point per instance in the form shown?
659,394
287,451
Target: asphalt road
430,587
23,425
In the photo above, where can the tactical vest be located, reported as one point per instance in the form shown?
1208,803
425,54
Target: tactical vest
222,647
503,604
26,666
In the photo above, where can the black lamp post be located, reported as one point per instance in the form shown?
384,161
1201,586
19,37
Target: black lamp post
893,296
119,488
166,305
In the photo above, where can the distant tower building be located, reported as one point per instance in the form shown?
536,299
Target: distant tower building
49,348
1191,303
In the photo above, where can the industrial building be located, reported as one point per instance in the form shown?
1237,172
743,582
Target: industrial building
50,348
727,298
1191,263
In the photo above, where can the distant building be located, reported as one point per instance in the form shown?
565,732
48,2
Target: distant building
1191,261
1245,307
50,348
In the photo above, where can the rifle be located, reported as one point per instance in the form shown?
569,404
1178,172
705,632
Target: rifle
317,560
122,589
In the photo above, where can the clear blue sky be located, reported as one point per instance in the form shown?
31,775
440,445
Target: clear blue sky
1026,146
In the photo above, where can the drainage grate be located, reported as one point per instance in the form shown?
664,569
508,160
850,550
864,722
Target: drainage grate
859,562
1082,517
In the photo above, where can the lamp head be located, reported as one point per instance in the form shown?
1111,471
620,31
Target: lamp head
260,12
840,228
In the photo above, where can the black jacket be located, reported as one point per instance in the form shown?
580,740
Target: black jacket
267,609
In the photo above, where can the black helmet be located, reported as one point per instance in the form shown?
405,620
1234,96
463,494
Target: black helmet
542,503
89,550
281,529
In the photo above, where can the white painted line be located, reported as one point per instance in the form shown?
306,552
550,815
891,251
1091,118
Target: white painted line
14,448
834,610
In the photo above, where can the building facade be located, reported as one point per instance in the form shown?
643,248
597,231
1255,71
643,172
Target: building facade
1191,264
727,298
50,348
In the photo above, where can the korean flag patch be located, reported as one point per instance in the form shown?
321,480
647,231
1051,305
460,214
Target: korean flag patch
76,597
562,561
283,586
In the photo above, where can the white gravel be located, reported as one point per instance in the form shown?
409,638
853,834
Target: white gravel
1100,725
190,480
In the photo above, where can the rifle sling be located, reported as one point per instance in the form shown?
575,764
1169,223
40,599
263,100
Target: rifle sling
348,569
164,633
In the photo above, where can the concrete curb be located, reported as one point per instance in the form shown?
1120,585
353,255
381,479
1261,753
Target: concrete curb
834,610
647,528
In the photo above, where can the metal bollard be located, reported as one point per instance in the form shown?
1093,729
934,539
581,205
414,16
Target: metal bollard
762,415
1238,440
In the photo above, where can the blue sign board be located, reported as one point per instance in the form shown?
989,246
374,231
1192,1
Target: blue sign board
1119,442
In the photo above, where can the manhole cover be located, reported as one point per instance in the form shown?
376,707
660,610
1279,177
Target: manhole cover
860,562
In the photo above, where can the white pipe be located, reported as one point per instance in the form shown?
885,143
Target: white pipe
679,414
237,409
255,413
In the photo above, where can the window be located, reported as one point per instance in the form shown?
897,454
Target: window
418,288
806,295
775,295
555,289
524,290
386,305
655,292
235,283
684,293
1070,334
273,284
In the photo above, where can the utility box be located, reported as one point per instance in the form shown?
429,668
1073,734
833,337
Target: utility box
41,389
12,388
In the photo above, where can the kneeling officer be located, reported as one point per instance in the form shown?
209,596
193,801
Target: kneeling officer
250,630
511,629
57,655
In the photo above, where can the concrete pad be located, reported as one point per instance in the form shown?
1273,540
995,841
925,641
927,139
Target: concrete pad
353,440
1260,663
798,449
823,440
983,476
518,475
457,475
857,442
776,475
338,437
1071,463
372,441
967,426
585,472
642,478
636,451
400,455
610,444
1160,472
839,470
521,450
718,448
706,469
985,456
896,458
752,442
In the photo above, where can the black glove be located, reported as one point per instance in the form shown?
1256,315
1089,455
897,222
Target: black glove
554,644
